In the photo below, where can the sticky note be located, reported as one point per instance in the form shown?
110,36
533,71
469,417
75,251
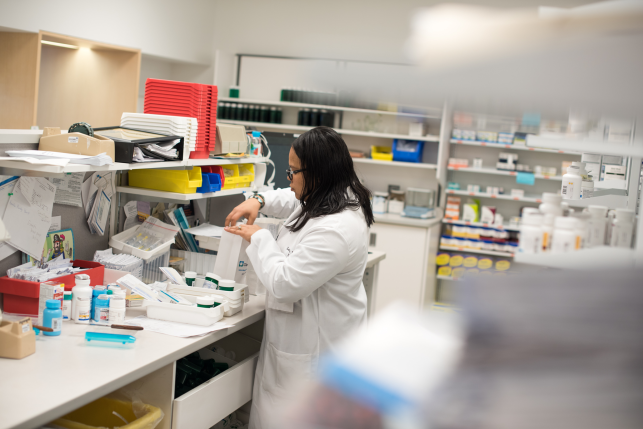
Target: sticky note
523,178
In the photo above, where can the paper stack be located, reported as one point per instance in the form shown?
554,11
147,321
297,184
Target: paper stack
173,125
191,100
97,160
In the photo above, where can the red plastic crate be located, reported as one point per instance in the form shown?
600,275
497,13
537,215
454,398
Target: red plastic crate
21,296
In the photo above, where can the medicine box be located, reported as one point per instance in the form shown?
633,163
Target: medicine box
22,296
49,290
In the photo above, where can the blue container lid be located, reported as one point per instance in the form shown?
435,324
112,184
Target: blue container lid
53,304
256,134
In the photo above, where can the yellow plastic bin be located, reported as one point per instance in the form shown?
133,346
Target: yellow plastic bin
179,181
382,153
238,176
100,414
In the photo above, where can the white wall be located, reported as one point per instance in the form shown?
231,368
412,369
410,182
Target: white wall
179,30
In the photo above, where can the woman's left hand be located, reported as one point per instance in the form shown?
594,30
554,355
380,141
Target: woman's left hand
243,230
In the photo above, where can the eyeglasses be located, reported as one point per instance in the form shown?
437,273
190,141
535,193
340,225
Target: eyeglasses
290,172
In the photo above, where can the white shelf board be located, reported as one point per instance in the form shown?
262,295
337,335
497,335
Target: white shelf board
587,146
217,161
178,196
480,252
512,146
584,259
610,201
395,163
499,197
480,224
500,172
439,277
326,107
268,125
396,219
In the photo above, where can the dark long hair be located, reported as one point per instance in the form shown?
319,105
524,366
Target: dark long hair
328,177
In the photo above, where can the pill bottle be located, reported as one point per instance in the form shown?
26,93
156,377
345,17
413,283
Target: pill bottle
52,317
116,309
571,184
564,237
531,234
587,188
114,288
98,290
581,169
547,230
597,226
81,290
211,281
551,204
67,298
205,302
101,308
622,229
226,285
190,278
83,310
582,229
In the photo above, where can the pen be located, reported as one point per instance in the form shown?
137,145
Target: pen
128,327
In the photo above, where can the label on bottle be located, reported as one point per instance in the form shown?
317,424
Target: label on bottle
210,283
83,315
545,241
189,281
56,324
104,314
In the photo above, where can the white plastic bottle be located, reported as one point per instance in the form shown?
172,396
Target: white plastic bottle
597,226
571,184
530,234
81,290
83,310
581,169
564,239
116,309
581,230
622,228
547,231
551,204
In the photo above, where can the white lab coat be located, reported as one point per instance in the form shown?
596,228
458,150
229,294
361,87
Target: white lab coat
314,295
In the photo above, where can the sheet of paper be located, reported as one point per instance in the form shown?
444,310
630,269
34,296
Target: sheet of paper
6,189
91,196
56,224
69,189
102,212
206,230
57,162
85,190
131,215
28,218
174,329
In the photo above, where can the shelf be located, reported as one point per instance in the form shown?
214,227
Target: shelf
592,258
268,125
447,278
587,146
480,252
395,219
499,197
479,224
217,161
395,163
511,146
177,196
500,172
325,107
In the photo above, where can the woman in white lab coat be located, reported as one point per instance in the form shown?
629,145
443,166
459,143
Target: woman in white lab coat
313,271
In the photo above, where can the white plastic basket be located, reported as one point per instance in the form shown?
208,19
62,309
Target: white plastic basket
118,242
185,314
235,299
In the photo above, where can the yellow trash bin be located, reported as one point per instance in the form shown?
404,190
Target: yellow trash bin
100,414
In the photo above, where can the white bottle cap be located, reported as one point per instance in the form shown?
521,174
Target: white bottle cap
597,211
191,274
532,219
114,288
572,169
624,214
213,276
205,300
226,283
565,222
551,198
117,301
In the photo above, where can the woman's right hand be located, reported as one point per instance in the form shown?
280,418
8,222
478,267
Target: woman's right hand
248,209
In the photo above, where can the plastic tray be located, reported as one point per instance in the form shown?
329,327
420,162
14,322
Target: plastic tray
243,176
210,183
233,300
201,263
185,314
118,242
179,181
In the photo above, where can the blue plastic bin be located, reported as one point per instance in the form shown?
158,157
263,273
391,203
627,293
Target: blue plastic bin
211,183
407,150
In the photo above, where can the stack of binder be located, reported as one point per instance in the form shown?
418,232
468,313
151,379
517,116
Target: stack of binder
172,125
191,100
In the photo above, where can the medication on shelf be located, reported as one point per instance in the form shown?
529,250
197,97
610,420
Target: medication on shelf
211,281
98,290
471,212
459,134
470,261
83,310
614,172
453,185
587,188
622,228
452,209
380,202
597,226
116,309
205,302
473,188
495,190
520,139
48,291
592,165
551,204
507,161
519,193
523,167
547,230
226,285
477,162
545,171
442,259
396,201
487,136
67,297
581,169
582,229
487,214
571,184
564,236
502,265
505,138
531,233
101,308
458,163
190,278
52,317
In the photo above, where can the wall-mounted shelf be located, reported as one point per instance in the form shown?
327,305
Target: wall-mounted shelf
268,125
480,224
500,172
499,196
513,147
480,252
588,146
396,219
218,161
177,196
325,107
449,278
395,163
592,258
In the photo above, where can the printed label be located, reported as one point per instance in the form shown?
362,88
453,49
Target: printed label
456,260
189,281
458,272
104,314
83,315
545,241
444,271
502,265
25,328
470,261
71,139
485,264
442,259
56,324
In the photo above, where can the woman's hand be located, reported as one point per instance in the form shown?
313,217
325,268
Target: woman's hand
248,209
244,231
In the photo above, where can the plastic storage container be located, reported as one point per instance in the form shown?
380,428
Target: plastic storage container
100,414
185,314
564,239
179,181
531,233
622,229
238,176
235,298
382,153
597,226
201,263
117,242
407,150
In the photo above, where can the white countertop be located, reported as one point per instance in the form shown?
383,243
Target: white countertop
396,219
65,374
374,257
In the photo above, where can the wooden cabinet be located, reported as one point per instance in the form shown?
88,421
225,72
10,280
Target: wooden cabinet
54,86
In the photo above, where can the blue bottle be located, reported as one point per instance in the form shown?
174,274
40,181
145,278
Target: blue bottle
97,291
101,308
52,317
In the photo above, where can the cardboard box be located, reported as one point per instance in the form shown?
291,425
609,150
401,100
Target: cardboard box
53,140
49,290
230,139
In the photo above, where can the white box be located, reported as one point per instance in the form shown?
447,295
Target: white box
517,193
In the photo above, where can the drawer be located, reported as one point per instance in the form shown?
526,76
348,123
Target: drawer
209,403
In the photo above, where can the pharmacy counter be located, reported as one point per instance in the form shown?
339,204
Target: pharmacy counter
65,373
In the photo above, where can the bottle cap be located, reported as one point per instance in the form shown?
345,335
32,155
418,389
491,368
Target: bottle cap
551,198
226,285
624,214
572,169
191,274
205,300
103,297
532,219
82,277
117,301
53,304
110,292
67,296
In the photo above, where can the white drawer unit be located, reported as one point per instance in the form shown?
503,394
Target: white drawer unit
209,403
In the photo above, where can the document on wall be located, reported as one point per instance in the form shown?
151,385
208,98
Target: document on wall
100,213
56,224
131,215
28,214
69,189
6,190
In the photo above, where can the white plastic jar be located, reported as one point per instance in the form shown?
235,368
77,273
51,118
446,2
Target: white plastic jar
551,204
582,229
547,231
564,237
116,309
226,285
622,229
531,234
597,226
571,184
587,189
